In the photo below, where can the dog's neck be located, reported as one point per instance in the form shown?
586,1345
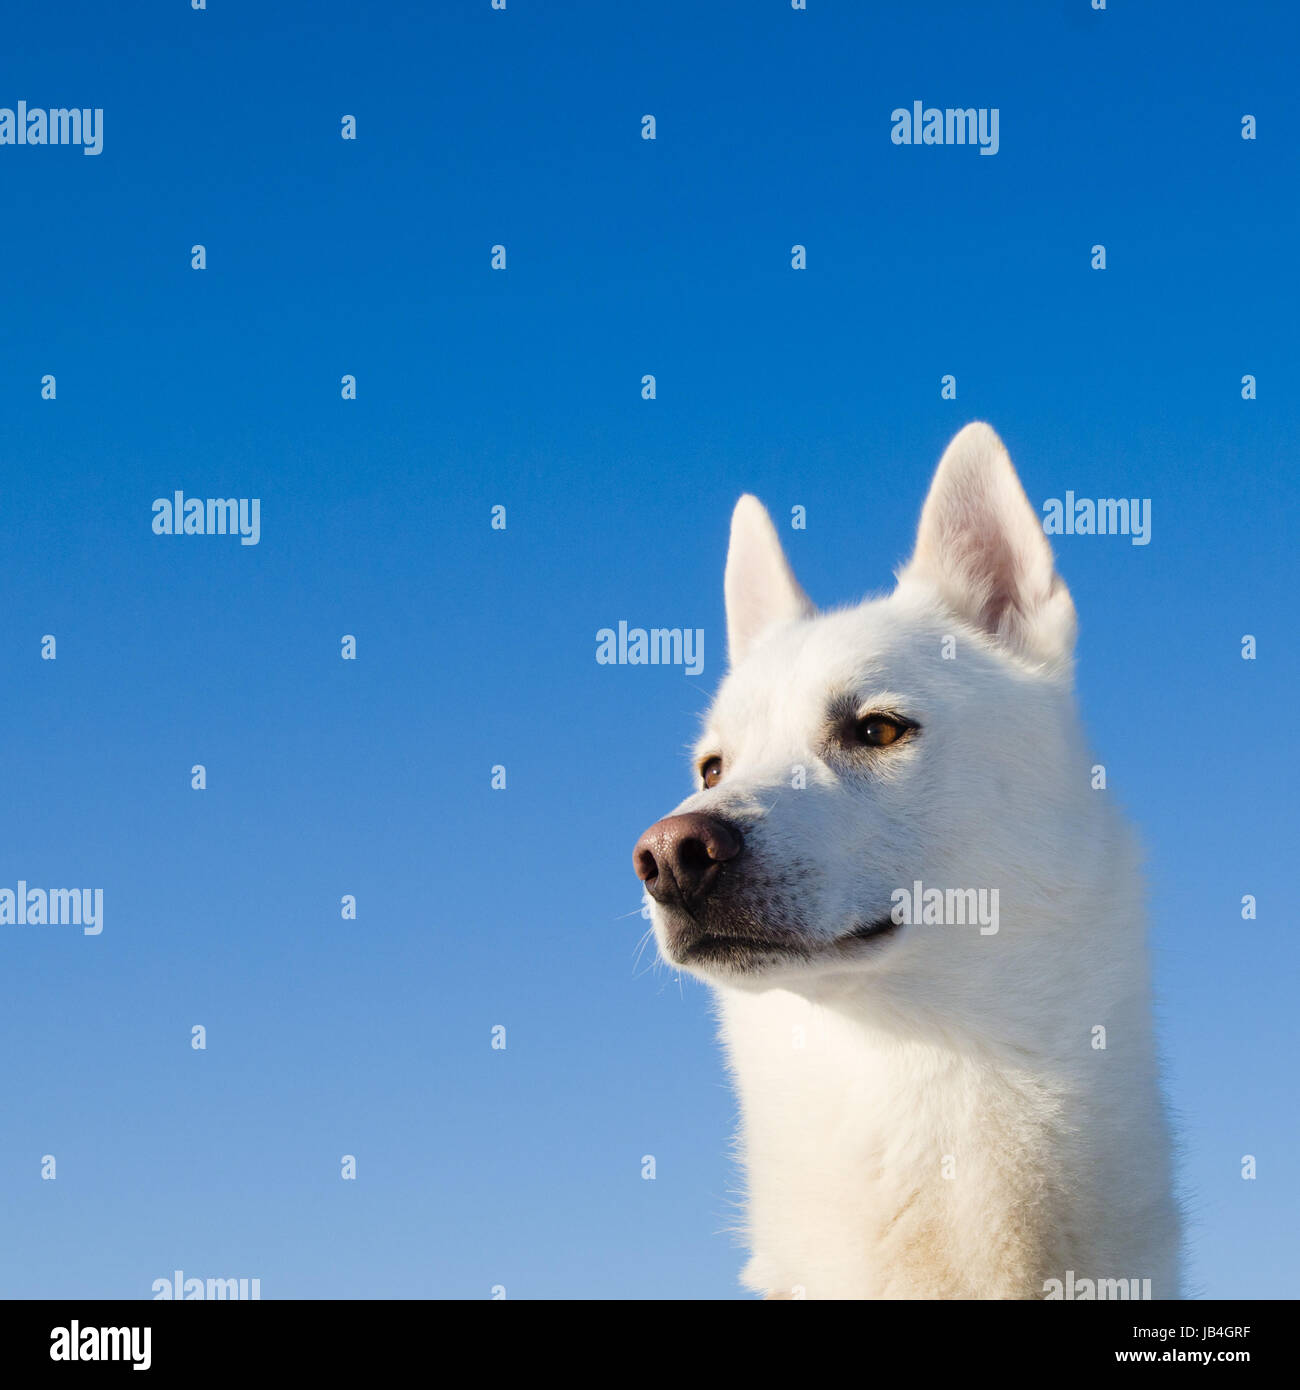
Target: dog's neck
885,1160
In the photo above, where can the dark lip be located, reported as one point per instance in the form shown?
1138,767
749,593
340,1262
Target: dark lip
692,940
872,931
712,945
700,945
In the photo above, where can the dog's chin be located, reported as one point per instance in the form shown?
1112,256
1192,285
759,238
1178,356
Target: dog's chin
714,945
710,945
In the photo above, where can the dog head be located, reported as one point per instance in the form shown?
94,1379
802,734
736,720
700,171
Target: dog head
924,741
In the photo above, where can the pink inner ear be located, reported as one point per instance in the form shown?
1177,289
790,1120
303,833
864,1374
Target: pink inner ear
980,543
997,578
967,550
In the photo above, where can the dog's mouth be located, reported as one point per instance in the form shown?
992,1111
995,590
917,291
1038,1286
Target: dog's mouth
740,953
701,944
872,931
692,942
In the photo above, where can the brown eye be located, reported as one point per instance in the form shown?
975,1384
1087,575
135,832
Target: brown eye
711,772
880,730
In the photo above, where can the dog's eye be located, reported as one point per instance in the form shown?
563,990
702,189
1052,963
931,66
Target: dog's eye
880,730
711,772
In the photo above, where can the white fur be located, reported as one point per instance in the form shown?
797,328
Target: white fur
926,1115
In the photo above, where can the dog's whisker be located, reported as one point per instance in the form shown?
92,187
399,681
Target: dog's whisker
640,950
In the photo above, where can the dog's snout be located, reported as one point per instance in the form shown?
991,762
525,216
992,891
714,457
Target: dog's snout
679,858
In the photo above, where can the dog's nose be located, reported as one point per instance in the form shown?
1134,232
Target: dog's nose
679,858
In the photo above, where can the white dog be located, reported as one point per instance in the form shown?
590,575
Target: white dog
923,921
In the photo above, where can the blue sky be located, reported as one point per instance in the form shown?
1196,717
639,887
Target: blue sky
477,907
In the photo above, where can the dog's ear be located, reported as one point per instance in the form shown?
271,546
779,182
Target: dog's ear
981,546
760,586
